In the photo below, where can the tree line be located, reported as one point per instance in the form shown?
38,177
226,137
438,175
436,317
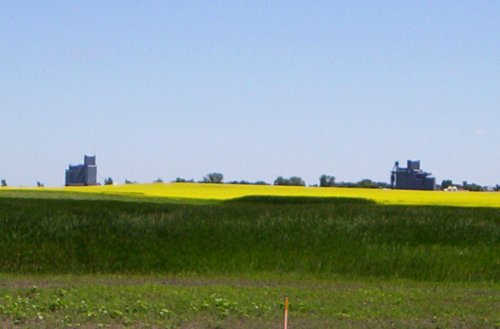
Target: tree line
324,181
466,186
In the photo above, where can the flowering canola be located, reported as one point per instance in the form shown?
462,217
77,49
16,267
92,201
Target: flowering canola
229,191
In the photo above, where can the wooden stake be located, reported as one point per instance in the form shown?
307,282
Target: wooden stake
286,313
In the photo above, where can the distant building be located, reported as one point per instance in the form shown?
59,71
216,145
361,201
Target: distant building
83,174
412,177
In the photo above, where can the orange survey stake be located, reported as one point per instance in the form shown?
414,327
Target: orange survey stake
286,313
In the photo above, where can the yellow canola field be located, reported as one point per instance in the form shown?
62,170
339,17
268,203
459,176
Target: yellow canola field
227,191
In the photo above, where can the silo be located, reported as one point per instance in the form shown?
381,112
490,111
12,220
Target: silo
414,165
89,160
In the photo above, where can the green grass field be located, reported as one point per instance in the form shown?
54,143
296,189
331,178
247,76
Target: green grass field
92,301
73,260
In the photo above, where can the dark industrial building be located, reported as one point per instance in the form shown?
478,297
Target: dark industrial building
412,177
83,174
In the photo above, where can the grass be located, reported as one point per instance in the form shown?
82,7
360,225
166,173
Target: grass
86,260
198,302
225,192
318,236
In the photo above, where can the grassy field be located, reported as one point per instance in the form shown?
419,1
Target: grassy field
201,302
226,191
73,259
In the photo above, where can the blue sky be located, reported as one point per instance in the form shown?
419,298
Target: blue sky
252,89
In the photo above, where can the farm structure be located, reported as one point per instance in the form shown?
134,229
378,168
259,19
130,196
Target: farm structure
82,174
412,177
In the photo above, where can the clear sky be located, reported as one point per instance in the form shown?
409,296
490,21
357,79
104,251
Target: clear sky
251,89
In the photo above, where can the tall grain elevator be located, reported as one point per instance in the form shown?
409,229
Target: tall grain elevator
82,174
412,177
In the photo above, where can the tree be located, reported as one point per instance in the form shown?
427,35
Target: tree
40,184
3,183
446,183
239,182
346,184
364,183
497,188
383,185
297,181
472,187
367,183
281,181
183,180
326,181
129,181
108,181
158,180
292,181
213,178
